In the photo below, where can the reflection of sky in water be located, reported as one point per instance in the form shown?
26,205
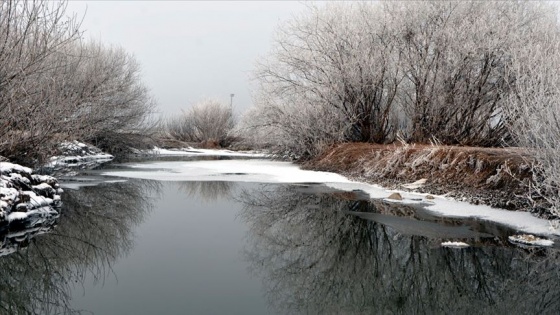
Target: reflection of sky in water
186,259
146,247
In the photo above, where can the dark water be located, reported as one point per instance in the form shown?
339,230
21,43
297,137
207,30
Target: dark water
146,247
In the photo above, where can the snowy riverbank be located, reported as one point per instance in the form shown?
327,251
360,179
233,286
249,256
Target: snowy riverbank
27,196
33,198
75,155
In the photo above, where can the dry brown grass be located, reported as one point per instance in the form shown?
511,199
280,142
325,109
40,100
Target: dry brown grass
493,176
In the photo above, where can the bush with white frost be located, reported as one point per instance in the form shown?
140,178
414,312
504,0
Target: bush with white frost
454,58
375,72
207,121
457,73
537,104
109,103
326,81
54,86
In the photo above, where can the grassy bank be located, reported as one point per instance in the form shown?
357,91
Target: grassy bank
492,176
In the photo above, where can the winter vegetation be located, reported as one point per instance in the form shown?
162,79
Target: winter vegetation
466,73
421,72
55,86
208,122
469,73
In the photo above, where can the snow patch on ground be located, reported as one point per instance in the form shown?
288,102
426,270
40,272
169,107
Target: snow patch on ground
266,171
27,204
17,216
417,184
37,215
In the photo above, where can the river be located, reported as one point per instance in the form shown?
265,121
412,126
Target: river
247,246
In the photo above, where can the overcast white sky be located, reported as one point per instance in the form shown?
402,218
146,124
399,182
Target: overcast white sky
189,50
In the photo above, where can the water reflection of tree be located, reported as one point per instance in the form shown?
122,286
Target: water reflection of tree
208,190
316,259
94,230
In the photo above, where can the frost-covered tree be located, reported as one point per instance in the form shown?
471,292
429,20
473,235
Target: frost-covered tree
455,57
536,102
30,34
374,71
330,77
54,86
110,103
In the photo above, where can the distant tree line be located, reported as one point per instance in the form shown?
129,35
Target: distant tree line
457,73
56,86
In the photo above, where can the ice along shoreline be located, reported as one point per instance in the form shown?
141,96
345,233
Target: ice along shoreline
268,171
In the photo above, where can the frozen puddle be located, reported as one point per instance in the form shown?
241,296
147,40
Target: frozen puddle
266,171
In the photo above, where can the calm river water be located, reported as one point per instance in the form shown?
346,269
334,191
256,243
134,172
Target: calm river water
156,247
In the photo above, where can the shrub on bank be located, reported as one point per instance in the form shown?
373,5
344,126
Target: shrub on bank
209,122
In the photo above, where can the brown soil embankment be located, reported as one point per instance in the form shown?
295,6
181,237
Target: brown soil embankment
493,176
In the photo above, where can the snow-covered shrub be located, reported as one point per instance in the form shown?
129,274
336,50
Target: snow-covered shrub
54,86
537,104
292,130
371,71
330,77
207,121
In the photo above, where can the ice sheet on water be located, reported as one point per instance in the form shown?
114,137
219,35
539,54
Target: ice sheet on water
202,152
267,171
262,171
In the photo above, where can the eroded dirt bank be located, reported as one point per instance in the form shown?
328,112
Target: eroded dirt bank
492,176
